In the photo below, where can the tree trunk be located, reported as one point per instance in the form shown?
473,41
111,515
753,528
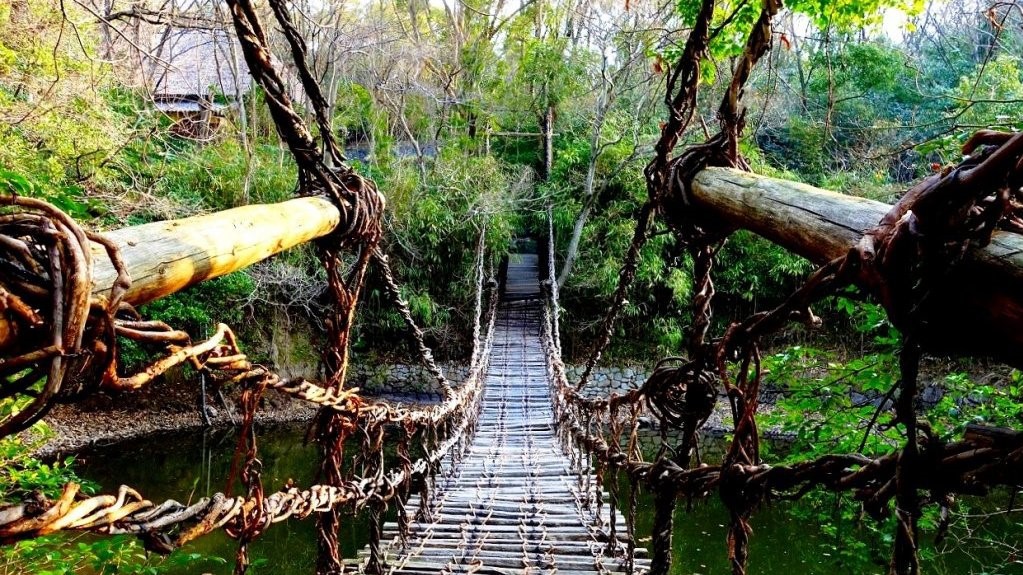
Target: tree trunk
547,146
580,222
165,257
603,104
981,298
573,244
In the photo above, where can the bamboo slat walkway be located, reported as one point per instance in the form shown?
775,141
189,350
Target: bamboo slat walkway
514,504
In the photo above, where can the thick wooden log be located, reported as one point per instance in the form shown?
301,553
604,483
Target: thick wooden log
166,257
982,297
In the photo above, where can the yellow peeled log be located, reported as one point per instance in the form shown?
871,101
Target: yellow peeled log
165,257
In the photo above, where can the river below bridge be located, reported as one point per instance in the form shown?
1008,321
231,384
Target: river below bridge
788,538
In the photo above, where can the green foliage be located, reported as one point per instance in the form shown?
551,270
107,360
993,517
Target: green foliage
829,404
842,395
433,227
214,176
834,107
851,15
658,297
199,308
852,96
734,19
551,70
117,555
997,89
967,401
58,125
357,118
70,199
737,18
750,267
22,474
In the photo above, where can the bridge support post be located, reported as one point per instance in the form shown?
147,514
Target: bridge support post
660,541
375,563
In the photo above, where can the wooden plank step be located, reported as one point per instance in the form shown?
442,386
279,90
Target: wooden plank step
513,533
427,568
527,520
504,545
515,506
465,514
577,563
510,558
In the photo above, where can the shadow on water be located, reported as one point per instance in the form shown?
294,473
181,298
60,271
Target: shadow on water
789,537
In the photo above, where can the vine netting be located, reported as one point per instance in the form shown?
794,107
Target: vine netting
439,432
902,262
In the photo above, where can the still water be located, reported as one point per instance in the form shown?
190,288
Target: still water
788,537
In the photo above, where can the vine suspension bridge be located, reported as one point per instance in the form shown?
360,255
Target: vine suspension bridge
515,503
513,464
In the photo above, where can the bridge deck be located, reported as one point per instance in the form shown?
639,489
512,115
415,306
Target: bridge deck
514,504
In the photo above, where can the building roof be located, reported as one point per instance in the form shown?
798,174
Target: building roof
182,106
198,63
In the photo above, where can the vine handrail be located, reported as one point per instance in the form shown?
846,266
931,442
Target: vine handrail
130,512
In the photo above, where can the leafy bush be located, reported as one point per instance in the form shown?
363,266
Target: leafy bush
199,308
214,176
433,228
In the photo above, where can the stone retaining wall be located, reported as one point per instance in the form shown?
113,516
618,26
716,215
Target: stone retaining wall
406,379
605,380
402,379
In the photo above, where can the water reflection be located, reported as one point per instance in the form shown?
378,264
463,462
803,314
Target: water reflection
788,537
189,465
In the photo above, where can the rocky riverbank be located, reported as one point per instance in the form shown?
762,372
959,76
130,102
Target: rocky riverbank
103,419
175,405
